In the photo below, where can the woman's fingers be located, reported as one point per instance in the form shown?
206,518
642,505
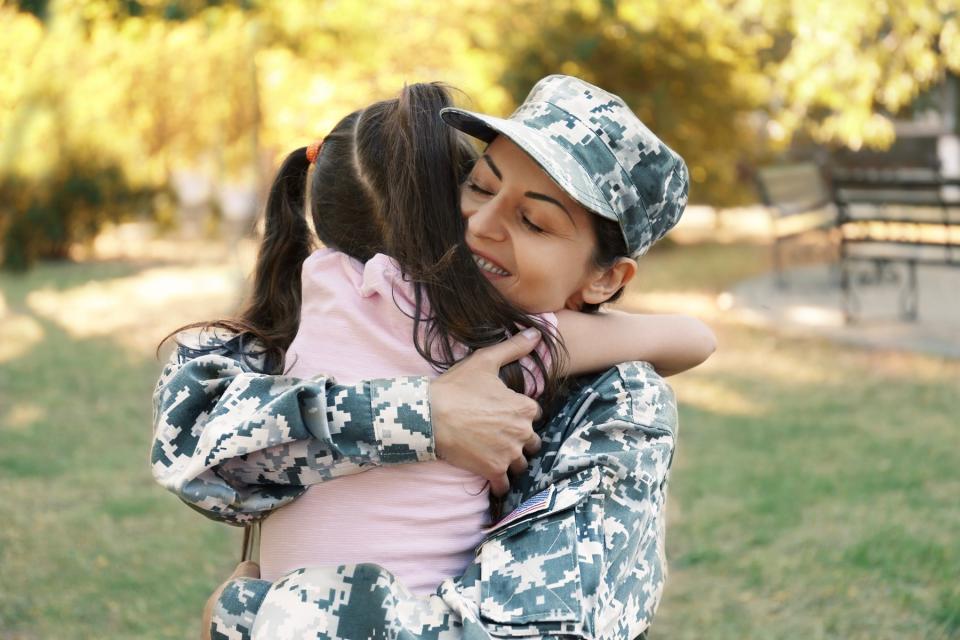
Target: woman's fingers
532,445
509,350
478,423
518,466
499,485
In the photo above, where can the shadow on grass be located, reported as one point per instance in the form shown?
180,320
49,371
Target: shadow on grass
63,275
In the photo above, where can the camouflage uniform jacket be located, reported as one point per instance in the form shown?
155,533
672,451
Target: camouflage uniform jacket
581,554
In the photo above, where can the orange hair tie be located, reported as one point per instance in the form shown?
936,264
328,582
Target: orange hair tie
314,150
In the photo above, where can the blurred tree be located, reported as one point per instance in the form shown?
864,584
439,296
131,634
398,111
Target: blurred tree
69,205
848,65
144,87
36,7
319,61
689,70
134,96
728,82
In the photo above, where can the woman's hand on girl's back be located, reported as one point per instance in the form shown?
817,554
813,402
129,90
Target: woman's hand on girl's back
478,423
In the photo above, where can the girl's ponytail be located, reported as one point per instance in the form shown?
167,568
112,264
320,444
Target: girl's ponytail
414,164
272,311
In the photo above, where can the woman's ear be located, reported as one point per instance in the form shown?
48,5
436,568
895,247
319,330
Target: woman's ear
608,282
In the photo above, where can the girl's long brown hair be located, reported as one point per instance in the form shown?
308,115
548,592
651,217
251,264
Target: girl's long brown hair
387,180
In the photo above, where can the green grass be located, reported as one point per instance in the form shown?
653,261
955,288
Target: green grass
814,492
89,546
815,488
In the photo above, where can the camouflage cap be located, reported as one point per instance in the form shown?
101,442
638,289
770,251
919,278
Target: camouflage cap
597,150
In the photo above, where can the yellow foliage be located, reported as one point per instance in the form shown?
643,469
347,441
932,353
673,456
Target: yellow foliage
722,80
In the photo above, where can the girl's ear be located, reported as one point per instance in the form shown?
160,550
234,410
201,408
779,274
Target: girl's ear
608,282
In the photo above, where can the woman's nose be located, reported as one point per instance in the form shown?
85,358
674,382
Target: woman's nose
486,221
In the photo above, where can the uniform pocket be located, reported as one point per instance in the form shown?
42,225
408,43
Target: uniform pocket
530,571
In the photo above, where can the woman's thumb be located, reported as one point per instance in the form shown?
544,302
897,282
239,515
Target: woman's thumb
513,348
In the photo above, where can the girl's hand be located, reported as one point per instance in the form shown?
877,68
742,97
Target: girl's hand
478,423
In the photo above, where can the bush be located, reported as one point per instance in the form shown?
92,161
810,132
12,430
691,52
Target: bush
41,217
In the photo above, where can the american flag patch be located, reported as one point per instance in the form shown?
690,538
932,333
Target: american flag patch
537,502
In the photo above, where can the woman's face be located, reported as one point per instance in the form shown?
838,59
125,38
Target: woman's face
529,238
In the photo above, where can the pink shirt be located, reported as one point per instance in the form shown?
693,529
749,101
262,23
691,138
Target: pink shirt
421,521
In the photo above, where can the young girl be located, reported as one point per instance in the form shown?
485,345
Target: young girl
386,182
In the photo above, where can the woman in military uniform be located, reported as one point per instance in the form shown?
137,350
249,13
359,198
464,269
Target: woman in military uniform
581,553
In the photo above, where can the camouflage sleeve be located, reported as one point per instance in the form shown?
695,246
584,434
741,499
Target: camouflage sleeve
632,441
235,445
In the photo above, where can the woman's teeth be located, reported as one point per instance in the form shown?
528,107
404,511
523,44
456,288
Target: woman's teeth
489,267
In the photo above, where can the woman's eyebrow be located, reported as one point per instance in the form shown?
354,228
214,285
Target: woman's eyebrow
529,194
540,196
493,167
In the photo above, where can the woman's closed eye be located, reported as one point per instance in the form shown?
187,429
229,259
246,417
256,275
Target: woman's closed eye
528,223
476,188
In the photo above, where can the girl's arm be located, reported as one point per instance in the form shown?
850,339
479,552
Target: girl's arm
597,341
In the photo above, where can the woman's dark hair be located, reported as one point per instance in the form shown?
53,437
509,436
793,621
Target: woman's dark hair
387,180
610,245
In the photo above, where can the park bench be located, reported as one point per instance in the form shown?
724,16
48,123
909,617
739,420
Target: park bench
799,204
890,217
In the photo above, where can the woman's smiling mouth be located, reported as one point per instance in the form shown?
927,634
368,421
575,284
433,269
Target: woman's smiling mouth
489,267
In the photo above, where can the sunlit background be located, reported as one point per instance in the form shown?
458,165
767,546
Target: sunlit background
815,488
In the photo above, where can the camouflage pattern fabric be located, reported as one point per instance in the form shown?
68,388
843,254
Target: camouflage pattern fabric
586,562
235,444
598,151
237,608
